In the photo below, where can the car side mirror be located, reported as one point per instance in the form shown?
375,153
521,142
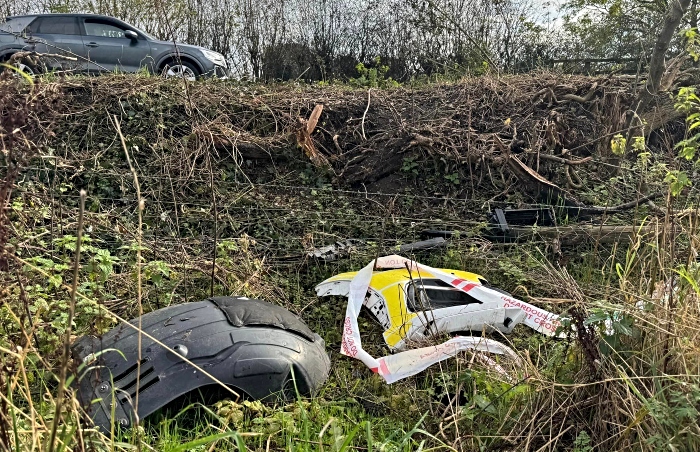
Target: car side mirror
131,34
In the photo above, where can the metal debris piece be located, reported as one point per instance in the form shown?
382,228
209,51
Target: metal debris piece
335,251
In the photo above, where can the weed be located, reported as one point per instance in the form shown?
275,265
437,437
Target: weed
373,77
410,165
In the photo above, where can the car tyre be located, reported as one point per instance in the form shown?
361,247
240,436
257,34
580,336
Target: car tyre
22,66
182,69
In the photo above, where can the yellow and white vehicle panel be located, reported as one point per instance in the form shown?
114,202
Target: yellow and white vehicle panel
411,307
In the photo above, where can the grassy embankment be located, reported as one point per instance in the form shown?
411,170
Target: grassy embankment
226,186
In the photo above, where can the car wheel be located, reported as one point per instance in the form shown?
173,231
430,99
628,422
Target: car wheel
20,67
181,70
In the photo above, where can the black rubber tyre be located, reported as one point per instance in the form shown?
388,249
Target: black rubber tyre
181,69
24,66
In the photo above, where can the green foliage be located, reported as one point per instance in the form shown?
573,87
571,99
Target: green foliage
615,327
677,180
453,178
512,271
156,272
639,144
373,77
101,265
50,275
688,102
692,43
582,443
675,409
482,69
618,144
342,426
608,28
410,165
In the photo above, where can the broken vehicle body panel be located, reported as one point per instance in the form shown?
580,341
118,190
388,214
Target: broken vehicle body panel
411,306
413,301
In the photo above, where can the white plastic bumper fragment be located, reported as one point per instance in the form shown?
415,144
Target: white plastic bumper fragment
489,315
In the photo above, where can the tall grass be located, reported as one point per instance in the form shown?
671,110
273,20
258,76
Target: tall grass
641,390
634,386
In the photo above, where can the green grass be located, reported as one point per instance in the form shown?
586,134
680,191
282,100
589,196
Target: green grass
305,425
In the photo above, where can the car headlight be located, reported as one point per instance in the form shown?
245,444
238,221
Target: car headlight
214,57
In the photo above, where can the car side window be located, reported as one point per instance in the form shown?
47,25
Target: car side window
435,294
55,26
17,25
103,29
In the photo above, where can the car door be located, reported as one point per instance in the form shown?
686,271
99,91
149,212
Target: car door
56,35
108,48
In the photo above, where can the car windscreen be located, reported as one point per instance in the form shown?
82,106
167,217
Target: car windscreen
16,24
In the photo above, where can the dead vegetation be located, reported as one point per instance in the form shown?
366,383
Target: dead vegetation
542,134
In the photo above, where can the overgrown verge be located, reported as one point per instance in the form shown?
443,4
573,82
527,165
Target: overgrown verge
239,184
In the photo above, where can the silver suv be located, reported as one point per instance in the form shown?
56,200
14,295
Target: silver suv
90,43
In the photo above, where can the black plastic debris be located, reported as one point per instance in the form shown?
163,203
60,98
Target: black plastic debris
257,349
435,233
435,242
249,312
500,219
502,222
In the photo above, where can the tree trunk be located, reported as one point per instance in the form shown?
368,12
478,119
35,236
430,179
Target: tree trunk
657,66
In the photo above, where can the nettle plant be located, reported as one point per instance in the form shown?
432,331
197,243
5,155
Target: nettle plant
47,277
